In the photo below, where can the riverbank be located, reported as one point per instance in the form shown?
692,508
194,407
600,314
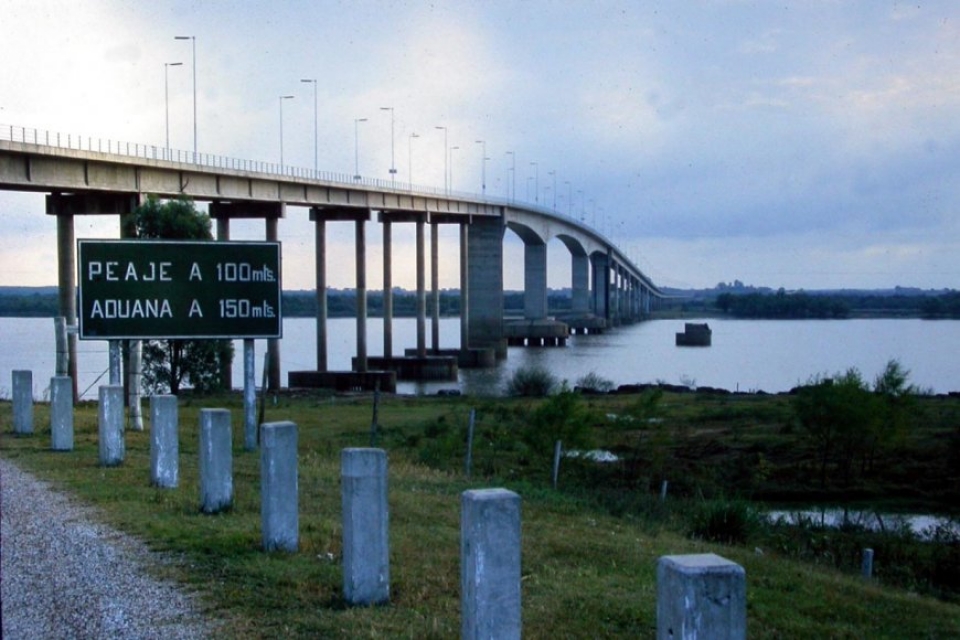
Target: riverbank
589,557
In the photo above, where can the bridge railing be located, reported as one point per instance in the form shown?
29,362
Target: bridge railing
56,139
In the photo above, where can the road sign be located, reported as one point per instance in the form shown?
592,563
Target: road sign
139,289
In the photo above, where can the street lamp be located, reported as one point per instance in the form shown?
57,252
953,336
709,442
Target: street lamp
452,149
446,154
282,98
166,97
393,163
410,159
569,198
483,168
554,174
536,183
315,163
194,40
512,193
356,147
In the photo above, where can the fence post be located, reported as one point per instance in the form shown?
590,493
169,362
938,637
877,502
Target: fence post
866,564
164,442
366,544
490,564
110,425
216,461
701,595
23,402
61,413
279,503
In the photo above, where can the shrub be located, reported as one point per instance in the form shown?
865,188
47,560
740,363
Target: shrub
594,383
532,381
726,521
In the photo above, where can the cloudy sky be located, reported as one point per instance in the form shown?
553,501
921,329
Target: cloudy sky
811,144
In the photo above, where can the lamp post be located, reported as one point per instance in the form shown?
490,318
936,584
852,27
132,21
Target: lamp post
315,164
483,168
356,147
166,100
554,174
393,163
536,183
446,155
569,198
282,98
194,40
452,149
410,159
512,186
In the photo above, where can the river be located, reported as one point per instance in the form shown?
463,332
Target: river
746,355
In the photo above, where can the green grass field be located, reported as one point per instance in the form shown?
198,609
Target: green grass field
588,569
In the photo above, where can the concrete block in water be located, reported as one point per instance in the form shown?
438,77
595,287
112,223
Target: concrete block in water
110,425
61,413
701,596
279,491
23,402
490,564
366,545
164,442
216,460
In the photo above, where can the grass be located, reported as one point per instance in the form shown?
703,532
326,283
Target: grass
586,572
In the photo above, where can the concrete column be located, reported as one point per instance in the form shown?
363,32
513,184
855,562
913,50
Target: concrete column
23,402
66,268
273,344
464,286
580,284
279,493
421,292
216,460
534,280
361,253
387,289
164,442
61,413
249,395
110,425
226,366
366,544
435,286
485,283
601,285
490,564
320,256
701,596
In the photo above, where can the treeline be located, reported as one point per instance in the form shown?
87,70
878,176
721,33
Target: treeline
29,305
782,305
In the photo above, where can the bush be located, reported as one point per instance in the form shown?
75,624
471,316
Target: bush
594,383
532,381
726,521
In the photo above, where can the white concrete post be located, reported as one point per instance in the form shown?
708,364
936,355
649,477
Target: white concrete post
701,596
279,492
110,425
216,460
866,564
164,442
366,543
61,413
490,564
23,402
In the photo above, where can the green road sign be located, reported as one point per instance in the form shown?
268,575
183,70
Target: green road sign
133,289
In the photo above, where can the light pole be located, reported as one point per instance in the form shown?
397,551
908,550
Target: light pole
282,98
536,183
512,194
166,99
569,198
194,40
554,174
483,168
410,159
356,147
315,164
393,163
452,149
446,166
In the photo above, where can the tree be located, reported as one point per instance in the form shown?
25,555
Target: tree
170,364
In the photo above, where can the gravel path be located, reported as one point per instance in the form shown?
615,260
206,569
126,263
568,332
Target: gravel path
65,575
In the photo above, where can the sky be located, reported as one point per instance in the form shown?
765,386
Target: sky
811,144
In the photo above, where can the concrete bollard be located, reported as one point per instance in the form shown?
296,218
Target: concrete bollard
866,564
110,425
366,544
61,413
164,442
490,564
279,503
701,596
23,402
216,461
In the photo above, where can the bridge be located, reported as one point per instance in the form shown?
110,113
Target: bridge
92,176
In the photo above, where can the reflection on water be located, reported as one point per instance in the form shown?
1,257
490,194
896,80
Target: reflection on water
924,526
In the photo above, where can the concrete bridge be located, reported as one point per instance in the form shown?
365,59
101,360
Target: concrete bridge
88,176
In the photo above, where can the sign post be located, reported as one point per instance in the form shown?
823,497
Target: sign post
181,290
